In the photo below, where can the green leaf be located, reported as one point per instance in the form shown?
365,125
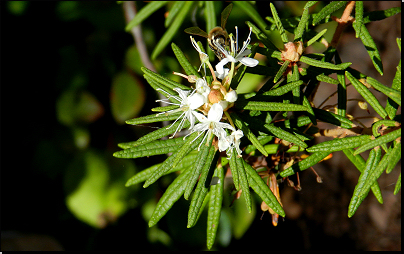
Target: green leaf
261,36
233,169
164,109
324,78
278,23
379,15
328,10
215,207
281,71
339,144
269,106
380,123
248,133
325,65
183,60
302,25
172,30
367,95
395,157
360,163
164,81
376,172
143,175
370,46
282,134
144,13
391,106
162,132
152,148
379,141
310,161
177,6
316,37
169,164
170,196
342,100
332,118
357,198
310,110
202,188
153,118
358,17
389,92
252,13
262,189
243,181
398,185
197,168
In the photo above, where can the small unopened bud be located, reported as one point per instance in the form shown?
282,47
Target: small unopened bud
292,51
363,105
215,96
192,78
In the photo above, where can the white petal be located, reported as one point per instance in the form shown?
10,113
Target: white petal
223,144
238,134
219,66
215,113
244,53
182,93
224,104
250,62
195,101
231,96
201,118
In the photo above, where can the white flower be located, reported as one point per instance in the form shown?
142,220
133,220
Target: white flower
234,141
222,75
212,124
231,96
187,104
202,88
235,57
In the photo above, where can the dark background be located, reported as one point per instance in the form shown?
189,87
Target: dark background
36,148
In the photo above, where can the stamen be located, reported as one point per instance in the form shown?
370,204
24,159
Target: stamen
175,121
236,38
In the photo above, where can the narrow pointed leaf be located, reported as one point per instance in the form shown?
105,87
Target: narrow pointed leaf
284,89
360,163
252,13
310,110
391,106
165,81
270,106
183,60
197,168
248,133
302,25
233,169
153,118
202,187
144,13
308,162
172,30
164,109
244,182
378,124
210,18
328,10
170,196
282,134
261,36
162,132
325,65
339,144
215,207
379,141
278,23
389,92
262,189
357,198
177,156
396,156
316,37
370,46
332,118
398,185
143,175
358,17
152,148
177,6
380,15
327,79
281,71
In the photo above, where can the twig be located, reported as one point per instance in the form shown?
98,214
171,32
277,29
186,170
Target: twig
342,23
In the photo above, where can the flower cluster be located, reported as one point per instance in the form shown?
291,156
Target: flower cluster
208,102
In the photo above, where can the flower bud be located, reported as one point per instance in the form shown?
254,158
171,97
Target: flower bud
215,96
